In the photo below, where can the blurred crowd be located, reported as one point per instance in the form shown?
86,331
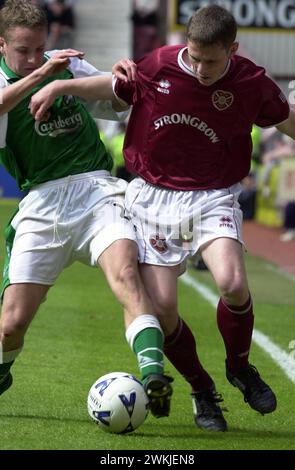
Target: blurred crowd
265,190
61,22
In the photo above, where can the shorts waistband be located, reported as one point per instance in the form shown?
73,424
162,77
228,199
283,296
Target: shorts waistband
72,178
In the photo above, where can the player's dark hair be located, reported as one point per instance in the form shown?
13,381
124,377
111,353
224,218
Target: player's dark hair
21,13
212,25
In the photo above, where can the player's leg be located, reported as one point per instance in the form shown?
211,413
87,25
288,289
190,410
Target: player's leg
180,345
35,255
143,330
111,243
20,303
158,215
224,257
119,263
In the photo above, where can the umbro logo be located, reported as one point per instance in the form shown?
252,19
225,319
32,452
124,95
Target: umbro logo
164,86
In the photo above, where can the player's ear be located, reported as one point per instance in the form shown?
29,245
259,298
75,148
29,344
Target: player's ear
2,41
233,48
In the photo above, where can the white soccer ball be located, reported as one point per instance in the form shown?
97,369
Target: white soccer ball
117,402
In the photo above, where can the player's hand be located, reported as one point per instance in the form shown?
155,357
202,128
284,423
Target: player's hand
125,69
42,101
59,61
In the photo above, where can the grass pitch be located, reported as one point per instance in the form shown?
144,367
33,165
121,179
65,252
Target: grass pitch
78,336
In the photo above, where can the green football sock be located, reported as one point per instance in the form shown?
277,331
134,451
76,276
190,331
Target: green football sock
148,346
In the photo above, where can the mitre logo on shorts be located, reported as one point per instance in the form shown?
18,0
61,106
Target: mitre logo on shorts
226,221
59,125
222,99
158,242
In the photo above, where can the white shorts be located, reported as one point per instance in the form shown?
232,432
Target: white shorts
172,225
61,221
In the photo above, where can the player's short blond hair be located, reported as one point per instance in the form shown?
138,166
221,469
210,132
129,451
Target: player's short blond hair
21,13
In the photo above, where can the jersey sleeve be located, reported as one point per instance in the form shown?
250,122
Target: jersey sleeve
104,110
80,68
98,109
131,92
3,82
275,108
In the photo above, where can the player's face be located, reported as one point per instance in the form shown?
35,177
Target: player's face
209,62
23,50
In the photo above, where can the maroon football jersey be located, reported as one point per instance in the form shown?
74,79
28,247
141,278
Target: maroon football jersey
184,135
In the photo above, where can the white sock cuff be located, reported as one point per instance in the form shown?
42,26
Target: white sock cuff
141,323
8,356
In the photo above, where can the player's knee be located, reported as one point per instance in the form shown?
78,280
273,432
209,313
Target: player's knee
164,305
233,288
14,323
13,328
128,277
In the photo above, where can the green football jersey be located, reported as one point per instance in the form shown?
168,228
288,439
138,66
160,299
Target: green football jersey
67,144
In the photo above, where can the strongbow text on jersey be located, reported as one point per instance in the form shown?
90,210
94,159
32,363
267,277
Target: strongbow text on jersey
187,120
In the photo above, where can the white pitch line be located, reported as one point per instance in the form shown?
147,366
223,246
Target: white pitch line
280,272
278,355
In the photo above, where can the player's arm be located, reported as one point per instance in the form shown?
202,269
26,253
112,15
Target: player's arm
88,88
288,127
13,94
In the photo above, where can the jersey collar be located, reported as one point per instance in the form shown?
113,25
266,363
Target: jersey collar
186,68
6,72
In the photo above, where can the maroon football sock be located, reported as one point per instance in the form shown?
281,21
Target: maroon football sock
235,324
180,348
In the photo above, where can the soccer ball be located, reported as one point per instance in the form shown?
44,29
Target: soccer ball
117,402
